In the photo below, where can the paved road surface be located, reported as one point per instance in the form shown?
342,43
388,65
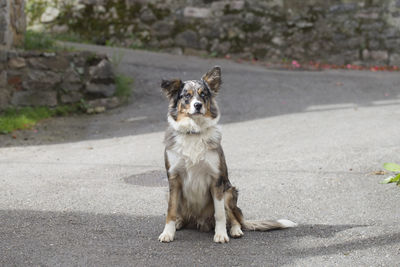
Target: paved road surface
90,190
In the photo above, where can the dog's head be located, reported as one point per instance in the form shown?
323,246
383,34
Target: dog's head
193,100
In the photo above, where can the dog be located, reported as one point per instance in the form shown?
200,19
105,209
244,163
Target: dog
200,193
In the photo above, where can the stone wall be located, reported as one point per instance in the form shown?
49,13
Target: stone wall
29,78
12,23
332,31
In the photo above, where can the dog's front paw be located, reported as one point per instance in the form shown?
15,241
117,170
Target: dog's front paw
236,232
221,237
166,237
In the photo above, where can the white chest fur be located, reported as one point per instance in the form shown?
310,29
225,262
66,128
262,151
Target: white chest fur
197,166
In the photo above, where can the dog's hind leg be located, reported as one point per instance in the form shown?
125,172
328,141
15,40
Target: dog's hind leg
180,223
234,214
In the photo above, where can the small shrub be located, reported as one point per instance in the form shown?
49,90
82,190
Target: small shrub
38,41
124,86
395,177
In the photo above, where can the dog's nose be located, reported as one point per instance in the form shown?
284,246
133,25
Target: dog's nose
198,105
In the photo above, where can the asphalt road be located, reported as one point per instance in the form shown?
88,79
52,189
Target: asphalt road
90,190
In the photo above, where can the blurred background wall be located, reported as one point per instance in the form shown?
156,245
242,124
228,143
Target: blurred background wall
331,31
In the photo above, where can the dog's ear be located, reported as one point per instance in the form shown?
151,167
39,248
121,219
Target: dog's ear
171,87
213,78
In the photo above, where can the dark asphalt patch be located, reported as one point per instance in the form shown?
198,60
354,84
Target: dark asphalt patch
41,238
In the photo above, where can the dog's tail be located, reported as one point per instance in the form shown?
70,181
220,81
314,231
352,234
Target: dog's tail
267,225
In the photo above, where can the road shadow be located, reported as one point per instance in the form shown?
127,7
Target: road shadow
248,93
84,239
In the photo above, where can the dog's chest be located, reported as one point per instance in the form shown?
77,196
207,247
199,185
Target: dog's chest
198,166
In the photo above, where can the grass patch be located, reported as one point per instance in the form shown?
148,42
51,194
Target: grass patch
38,41
25,118
71,37
124,86
41,41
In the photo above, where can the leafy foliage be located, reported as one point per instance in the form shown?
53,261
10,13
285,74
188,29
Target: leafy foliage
25,118
395,178
124,86
38,41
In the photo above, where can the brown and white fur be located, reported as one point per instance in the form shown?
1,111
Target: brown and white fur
200,193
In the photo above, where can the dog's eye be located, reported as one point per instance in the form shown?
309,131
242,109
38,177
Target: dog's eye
187,95
202,94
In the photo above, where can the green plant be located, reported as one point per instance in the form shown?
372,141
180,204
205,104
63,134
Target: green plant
38,41
25,118
116,58
395,177
124,86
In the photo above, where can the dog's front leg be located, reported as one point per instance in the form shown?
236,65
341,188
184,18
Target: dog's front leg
221,235
174,192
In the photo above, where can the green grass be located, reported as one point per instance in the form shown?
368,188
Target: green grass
42,42
124,86
71,37
25,118
38,41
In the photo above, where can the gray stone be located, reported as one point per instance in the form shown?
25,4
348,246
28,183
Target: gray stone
167,42
108,103
17,63
304,24
214,45
394,60
71,97
49,15
373,44
249,18
162,28
106,90
196,12
3,56
278,40
3,79
58,29
355,42
203,43
34,98
379,55
68,87
372,28
343,7
231,5
147,16
398,3
367,15
4,98
224,47
187,38
71,76
43,77
38,63
102,72
392,43
365,54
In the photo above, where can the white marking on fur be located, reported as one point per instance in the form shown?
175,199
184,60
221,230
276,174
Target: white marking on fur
221,235
169,232
236,231
287,223
193,147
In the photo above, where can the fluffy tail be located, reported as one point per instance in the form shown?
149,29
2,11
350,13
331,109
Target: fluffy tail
268,225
